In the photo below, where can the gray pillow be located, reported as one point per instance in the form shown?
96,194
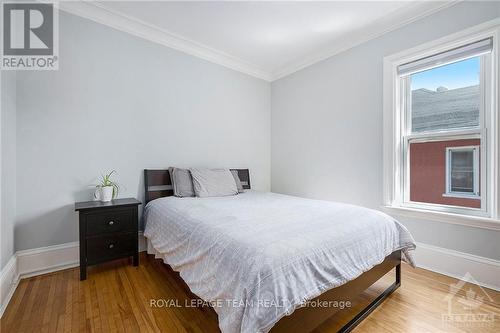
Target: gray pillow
181,182
213,182
239,186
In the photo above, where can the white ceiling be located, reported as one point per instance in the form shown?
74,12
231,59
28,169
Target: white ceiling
271,39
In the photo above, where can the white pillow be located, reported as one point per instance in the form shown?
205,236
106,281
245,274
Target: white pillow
181,182
213,182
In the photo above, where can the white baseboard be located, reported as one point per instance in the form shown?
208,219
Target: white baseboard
142,242
53,258
456,264
43,260
48,259
9,279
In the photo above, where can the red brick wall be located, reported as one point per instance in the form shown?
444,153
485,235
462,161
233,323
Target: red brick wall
428,172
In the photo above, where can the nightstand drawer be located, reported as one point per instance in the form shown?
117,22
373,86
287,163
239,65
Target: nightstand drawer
110,222
107,247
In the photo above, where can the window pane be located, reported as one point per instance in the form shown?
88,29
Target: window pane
427,163
462,171
446,97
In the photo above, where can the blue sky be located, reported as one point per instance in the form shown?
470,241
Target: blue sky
459,74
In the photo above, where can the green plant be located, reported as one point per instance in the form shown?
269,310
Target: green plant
106,181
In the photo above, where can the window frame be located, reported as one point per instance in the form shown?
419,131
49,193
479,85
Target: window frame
396,191
474,132
475,173
407,137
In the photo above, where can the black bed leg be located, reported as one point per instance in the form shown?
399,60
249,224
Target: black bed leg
373,305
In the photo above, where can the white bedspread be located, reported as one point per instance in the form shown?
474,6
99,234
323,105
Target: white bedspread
268,251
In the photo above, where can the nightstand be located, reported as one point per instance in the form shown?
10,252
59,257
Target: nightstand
108,231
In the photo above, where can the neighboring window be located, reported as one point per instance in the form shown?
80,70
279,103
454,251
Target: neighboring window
445,106
462,171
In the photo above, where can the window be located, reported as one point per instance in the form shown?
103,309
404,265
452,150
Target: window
443,107
445,97
462,171
440,109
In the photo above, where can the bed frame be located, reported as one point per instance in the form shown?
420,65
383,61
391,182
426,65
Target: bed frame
158,184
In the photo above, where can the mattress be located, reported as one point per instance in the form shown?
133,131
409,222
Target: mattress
258,256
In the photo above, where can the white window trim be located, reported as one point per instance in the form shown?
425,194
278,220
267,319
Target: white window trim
475,173
487,216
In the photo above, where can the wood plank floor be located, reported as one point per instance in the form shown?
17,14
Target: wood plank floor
116,297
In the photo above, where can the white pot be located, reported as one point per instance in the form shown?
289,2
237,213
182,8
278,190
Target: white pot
106,193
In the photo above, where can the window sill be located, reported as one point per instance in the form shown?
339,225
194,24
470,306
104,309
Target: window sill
466,220
462,196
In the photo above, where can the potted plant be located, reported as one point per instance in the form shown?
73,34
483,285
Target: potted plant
107,189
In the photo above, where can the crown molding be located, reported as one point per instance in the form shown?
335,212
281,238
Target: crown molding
378,28
99,13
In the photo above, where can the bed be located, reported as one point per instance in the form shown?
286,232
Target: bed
259,257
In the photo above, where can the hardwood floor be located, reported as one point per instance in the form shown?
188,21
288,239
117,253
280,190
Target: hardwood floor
116,297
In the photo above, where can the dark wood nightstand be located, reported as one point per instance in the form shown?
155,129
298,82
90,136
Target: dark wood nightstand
108,231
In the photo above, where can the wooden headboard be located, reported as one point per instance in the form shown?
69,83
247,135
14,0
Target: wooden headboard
157,183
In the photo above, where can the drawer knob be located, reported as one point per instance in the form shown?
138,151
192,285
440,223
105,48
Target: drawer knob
111,245
111,222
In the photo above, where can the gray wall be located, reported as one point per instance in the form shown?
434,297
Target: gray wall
327,126
7,165
121,102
